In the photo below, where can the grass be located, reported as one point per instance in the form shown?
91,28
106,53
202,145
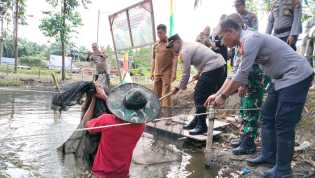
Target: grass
33,73
11,83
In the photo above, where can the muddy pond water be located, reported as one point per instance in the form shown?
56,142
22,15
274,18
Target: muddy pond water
30,134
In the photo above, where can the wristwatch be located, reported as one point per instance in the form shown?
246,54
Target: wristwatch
223,96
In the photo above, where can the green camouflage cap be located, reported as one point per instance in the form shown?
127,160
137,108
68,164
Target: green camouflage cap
133,103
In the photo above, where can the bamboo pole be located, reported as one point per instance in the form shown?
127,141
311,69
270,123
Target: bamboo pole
209,152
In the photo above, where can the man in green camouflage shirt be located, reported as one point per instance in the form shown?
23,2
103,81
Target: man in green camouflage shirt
254,89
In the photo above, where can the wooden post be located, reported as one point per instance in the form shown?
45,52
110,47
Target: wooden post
209,152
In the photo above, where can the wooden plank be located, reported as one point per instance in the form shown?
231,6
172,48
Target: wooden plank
231,119
217,123
200,137
176,128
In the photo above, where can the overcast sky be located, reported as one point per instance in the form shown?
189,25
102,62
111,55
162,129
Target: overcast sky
188,22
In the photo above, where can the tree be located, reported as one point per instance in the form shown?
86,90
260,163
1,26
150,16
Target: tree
8,47
61,24
18,8
308,10
26,47
30,53
82,53
19,11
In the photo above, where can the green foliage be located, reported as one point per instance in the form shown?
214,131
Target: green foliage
8,47
36,60
60,24
26,48
22,12
110,53
33,71
82,53
29,48
8,6
138,72
53,26
308,10
55,49
268,5
142,60
142,57
251,5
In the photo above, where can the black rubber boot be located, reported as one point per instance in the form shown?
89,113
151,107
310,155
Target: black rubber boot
236,142
200,128
260,161
267,157
274,173
247,146
191,125
285,147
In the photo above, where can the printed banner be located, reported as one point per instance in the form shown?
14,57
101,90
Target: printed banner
133,27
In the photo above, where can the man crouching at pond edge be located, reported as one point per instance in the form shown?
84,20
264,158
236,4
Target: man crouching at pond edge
211,75
129,103
291,76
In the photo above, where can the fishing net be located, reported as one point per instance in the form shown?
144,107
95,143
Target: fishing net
71,95
81,146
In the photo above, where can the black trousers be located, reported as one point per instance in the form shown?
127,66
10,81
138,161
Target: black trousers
209,83
285,39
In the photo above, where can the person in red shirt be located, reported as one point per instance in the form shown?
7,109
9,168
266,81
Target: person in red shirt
128,103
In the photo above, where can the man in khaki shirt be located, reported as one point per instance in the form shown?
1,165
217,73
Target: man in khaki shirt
164,62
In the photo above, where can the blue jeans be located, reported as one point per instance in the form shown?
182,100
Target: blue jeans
280,114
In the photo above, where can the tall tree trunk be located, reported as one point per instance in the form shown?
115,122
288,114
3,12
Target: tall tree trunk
63,11
1,40
63,76
16,17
